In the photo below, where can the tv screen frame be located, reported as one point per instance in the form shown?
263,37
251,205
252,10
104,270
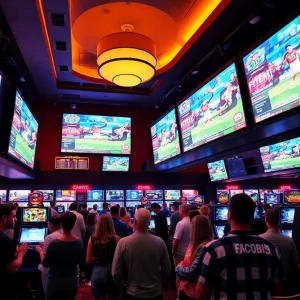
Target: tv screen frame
282,209
190,194
268,198
66,200
96,133
3,196
115,200
172,199
221,164
17,120
186,116
254,191
218,226
117,159
291,193
101,192
219,207
272,70
44,221
44,192
22,195
154,192
220,193
140,193
173,132
231,168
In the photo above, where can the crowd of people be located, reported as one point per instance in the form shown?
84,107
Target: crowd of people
121,258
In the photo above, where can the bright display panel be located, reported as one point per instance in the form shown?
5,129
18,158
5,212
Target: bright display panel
217,170
115,163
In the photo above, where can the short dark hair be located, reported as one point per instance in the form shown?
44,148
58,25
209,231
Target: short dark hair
287,46
6,209
90,219
16,204
105,205
68,220
55,220
118,205
193,213
84,205
114,210
241,209
155,205
52,203
73,206
176,204
272,217
267,206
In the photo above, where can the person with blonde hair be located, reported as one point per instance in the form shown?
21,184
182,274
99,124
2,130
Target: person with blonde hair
201,234
100,252
204,211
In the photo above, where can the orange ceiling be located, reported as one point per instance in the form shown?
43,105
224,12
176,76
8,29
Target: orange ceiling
173,36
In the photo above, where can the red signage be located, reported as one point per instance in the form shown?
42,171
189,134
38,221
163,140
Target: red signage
80,187
285,187
35,198
144,187
232,187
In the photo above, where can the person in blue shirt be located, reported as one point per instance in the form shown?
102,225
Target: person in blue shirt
165,210
105,209
121,228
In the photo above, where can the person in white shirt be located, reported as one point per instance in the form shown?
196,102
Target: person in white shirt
53,212
54,226
94,210
79,227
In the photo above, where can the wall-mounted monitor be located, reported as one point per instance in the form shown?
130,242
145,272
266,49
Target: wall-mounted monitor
262,193
96,134
165,138
95,195
66,195
189,194
235,192
132,204
19,195
154,195
286,215
272,71
112,195
272,198
292,197
115,163
32,215
48,194
91,204
253,194
23,134
281,156
222,196
172,195
217,170
114,203
221,213
287,232
214,110
3,194
236,167
134,195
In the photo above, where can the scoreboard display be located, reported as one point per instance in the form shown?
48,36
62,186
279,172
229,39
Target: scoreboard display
71,163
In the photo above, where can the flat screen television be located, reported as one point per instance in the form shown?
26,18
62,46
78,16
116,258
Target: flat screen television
253,194
272,72
165,138
154,195
18,195
214,110
91,204
3,194
222,196
281,156
115,163
95,195
172,195
236,167
48,194
96,134
219,229
221,213
65,195
152,224
189,194
287,232
272,198
132,204
60,209
23,134
286,215
134,195
217,170
32,215
114,203
257,213
262,193
112,195
235,192
32,236
292,197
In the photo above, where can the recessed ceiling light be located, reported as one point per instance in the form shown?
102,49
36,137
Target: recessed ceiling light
195,72
255,20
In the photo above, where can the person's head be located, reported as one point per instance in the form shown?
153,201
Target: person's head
155,207
115,211
52,204
271,218
16,204
193,214
266,206
201,233
123,212
164,205
175,206
84,206
105,206
204,210
289,48
68,220
104,229
54,223
7,216
73,206
95,207
91,219
118,205
142,219
184,210
241,211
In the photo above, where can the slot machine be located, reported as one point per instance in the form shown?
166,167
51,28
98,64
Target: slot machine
19,196
220,219
171,196
133,200
286,220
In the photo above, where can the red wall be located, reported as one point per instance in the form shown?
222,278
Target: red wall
49,117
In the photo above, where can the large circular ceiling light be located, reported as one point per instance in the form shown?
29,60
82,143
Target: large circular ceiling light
126,58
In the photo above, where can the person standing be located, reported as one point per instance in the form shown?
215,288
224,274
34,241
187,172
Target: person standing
94,210
160,221
144,259
120,227
165,210
11,258
62,257
79,227
175,218
105,209
53,212
54,227
84,212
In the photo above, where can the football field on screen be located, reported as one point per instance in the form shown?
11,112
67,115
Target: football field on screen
293,162
168,150
23,149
